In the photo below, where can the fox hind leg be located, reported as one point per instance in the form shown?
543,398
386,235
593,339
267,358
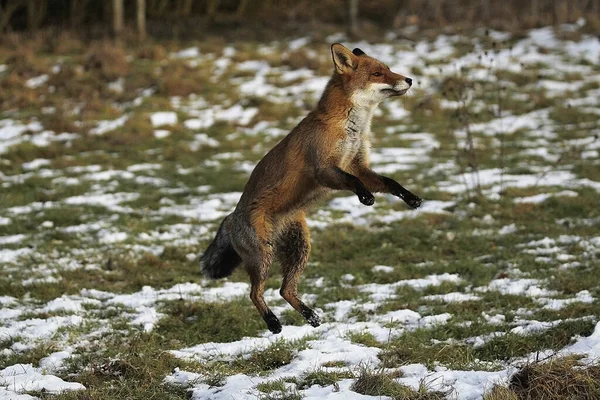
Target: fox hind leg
257,255
258,280
293,248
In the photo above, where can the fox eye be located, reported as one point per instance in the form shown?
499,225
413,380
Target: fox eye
377,74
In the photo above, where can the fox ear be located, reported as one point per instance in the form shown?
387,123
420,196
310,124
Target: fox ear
343,59
358,52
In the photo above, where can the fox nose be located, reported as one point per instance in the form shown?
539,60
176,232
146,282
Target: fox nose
408,80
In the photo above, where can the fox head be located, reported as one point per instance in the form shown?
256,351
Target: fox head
368,81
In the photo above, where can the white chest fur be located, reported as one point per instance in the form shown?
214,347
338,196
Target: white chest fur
358,131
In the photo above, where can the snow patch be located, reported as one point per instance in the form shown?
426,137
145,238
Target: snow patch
540,198
163,118
105,126
20,378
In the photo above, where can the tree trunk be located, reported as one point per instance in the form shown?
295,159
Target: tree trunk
141,19
211,10
535,8
438,12
571,6
352,27
186,8
155,8
241,10
32,15
560,11
77,13
7,12
485,9
117,17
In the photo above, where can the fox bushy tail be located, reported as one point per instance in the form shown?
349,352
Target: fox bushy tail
220,259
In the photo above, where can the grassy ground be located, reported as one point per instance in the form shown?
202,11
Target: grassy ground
96,236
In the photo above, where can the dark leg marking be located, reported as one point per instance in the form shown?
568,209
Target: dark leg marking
272,322
309,315
411,199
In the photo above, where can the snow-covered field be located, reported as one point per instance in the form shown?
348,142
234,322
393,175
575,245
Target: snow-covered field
100,227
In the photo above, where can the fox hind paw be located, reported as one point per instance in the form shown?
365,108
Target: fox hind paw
311,317
272,322
314,321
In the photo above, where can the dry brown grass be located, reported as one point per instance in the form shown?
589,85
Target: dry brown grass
23,61
592,24
501,393
423,104
559,379
382,384
96,108
67,82
299,59
16,41
14,95
154,52
178,79
65,43
58,122
107,59
173,86
137,128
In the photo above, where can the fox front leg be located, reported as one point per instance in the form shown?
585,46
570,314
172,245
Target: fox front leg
336,178
380,183
411,199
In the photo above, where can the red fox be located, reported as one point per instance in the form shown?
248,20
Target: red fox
328,150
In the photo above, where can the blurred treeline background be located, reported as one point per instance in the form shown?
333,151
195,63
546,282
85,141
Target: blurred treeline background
191,18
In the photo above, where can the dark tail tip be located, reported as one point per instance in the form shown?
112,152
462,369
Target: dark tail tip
219,263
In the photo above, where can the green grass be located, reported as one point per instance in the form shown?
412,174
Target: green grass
378,383
29,356
364,338
557,378
277,355
321,377
130,368
188,323
516,345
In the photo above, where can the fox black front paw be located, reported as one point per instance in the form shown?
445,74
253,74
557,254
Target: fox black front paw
366,197
272,322
413,201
